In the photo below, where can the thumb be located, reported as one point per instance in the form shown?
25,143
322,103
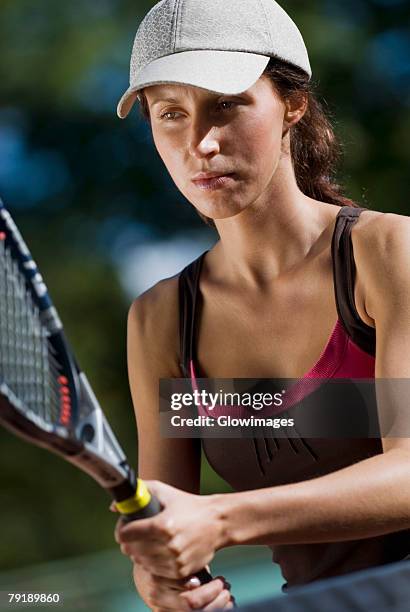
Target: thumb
163,492
113,507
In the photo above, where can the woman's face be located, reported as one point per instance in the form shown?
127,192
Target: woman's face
221,151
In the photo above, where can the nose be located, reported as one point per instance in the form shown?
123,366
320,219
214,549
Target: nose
204,144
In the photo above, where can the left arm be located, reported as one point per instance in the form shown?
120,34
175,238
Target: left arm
367,499
375,492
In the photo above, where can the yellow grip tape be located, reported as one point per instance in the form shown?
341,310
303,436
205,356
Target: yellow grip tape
141,499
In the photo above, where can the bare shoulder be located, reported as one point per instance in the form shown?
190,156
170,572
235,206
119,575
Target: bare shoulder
378,236
153,326
380,227
381,243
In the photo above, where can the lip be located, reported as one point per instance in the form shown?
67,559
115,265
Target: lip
213,180
204,176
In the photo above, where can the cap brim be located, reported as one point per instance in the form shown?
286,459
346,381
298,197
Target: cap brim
223,72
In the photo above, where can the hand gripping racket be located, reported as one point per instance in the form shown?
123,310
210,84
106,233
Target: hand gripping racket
44,396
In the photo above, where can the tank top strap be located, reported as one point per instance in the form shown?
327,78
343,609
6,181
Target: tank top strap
188,306
344,274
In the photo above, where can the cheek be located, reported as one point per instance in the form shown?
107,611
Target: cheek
262,153
263,136
171,154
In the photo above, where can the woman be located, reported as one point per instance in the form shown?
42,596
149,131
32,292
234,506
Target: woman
300,276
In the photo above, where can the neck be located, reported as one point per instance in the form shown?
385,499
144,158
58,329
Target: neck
275,234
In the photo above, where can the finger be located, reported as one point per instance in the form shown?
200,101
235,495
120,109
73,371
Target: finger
204,594
156,561
162,491
151,552
113,507
164,568
136,530
161,583
195,582
227,584
169,600
220,602
152,564
149,529
192,583
167,571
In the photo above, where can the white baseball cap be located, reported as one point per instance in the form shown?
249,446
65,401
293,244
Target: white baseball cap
220,45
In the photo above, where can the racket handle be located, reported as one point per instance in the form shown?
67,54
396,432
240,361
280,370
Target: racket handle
151,509
203,576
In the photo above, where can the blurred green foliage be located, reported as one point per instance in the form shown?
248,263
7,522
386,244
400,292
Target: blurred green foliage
84,187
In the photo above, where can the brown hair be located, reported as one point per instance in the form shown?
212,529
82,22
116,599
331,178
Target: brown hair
315,150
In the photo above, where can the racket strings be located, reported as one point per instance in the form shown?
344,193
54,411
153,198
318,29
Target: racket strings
27,364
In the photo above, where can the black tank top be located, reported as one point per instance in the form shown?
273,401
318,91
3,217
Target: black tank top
265,462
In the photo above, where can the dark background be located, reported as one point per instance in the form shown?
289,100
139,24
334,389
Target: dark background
89,193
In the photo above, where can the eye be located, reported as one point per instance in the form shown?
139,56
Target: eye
169,116
226,105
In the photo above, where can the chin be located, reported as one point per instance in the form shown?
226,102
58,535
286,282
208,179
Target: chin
214,209
222,211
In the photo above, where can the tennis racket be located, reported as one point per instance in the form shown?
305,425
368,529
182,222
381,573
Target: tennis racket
44,396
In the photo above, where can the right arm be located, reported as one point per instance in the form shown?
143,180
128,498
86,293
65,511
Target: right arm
153,353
